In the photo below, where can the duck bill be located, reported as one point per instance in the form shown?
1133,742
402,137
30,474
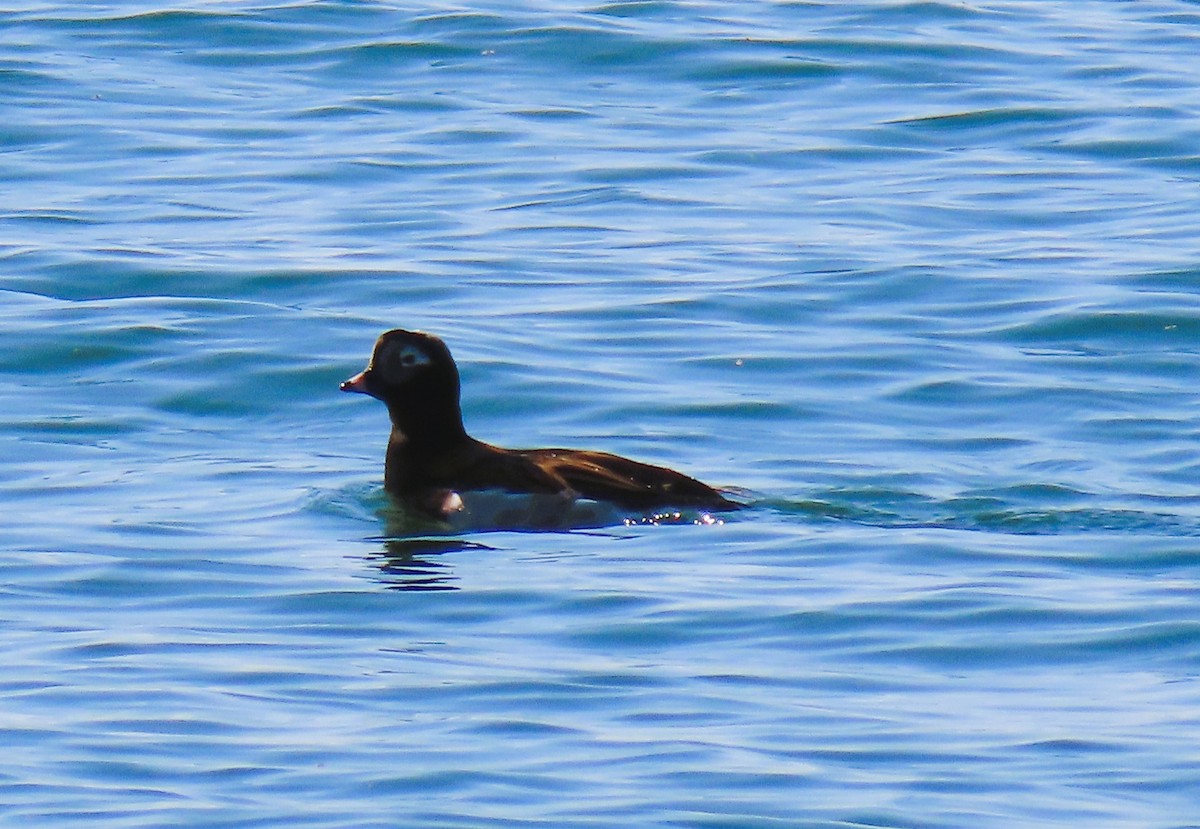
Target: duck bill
357,383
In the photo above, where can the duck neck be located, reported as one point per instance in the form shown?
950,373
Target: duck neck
430,432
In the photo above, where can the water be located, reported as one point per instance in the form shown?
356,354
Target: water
920,277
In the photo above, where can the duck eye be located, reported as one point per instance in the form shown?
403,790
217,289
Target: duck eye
410,357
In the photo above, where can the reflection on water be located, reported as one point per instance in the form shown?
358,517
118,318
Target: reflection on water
414,564
414,543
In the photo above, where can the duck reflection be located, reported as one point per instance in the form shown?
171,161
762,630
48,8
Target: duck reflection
416,564
414,542
413,546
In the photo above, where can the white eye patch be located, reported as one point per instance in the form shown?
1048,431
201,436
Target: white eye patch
405,357
411,356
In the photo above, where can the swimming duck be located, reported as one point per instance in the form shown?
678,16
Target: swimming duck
431,459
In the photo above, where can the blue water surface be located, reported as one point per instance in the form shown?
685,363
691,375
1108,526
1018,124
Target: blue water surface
920,279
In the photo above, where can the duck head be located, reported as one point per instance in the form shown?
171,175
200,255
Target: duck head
416,378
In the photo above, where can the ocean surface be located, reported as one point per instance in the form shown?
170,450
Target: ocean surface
921,280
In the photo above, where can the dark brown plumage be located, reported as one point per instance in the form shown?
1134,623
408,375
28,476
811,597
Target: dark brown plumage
431,458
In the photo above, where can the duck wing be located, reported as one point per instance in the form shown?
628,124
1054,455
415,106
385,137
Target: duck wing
601,476
476,465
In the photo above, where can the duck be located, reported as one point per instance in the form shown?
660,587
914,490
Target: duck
432,462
